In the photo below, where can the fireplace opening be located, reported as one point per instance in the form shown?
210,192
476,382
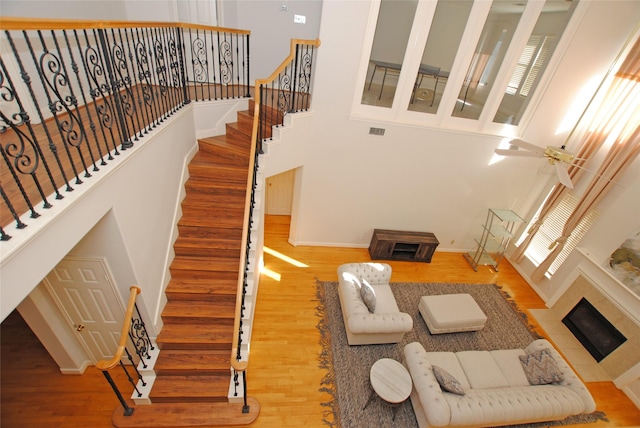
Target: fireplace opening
593,330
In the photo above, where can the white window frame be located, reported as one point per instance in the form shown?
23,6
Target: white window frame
443,119
551,229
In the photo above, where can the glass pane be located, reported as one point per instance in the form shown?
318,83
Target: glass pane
498,30
534,59
395,19
449,22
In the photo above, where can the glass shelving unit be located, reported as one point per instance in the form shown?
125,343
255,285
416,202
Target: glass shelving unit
497,231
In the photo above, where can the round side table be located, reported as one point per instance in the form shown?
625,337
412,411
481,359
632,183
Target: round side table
391,381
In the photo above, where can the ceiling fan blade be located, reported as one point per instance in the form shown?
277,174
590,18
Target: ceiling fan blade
563,175
510,152
527,146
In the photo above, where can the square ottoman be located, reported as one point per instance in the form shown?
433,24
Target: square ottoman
449,313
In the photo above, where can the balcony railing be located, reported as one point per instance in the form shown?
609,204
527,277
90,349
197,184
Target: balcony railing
74,94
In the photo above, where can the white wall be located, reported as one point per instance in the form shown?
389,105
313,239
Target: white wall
271,28
139,193
64,9
139,10
412,178
429,179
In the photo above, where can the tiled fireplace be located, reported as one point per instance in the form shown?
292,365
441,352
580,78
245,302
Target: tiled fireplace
593,330
602,294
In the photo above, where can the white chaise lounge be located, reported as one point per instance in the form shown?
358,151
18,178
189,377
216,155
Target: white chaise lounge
386,324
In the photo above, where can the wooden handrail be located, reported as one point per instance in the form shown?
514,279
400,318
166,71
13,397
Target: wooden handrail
285,63
124,333
10,23
242,365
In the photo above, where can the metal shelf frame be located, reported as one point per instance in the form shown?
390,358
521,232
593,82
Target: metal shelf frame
497,231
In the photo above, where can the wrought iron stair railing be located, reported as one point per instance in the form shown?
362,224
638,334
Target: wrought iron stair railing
133,335
287,90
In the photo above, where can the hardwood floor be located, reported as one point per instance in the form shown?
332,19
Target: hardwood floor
283,370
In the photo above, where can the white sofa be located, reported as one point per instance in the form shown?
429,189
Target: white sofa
386,324
496,388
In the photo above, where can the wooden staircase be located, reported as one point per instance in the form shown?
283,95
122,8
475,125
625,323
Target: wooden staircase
193,368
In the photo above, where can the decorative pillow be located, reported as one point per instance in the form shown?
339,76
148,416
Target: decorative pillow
541,368
447,381
368,295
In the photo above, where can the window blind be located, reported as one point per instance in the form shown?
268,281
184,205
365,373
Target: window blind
552,228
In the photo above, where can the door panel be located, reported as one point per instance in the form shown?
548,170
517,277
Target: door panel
280,193
84,292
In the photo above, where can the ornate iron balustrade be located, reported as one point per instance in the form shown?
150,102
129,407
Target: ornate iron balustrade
134,333
74,94
287,90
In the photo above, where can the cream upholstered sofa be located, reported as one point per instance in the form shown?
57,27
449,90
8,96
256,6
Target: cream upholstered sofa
386,324
497,390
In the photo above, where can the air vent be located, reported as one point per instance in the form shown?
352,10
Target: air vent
376,131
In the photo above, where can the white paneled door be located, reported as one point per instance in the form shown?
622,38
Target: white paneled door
84,291
280,193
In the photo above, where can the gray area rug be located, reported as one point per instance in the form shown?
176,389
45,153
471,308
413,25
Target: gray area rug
347,367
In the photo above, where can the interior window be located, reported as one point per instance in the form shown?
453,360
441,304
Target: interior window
448,25
533,60
463,56
491,48
393,28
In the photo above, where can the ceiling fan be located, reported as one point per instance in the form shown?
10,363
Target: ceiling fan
558,156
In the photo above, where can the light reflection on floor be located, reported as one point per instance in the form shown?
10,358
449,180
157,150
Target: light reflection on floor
275,275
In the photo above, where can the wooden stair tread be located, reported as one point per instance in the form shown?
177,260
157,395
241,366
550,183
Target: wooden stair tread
214,144
208,232
219,173
203,159
203,192
224,157
210,187
234,202
221,211
204,251
245,121
227,264
176,415
203,287
222,222
195,336
214,243
175,361
235,130
202,311
193,276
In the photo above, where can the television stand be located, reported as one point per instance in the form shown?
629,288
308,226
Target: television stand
402,245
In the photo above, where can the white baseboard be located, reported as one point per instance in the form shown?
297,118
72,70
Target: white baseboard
76,370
